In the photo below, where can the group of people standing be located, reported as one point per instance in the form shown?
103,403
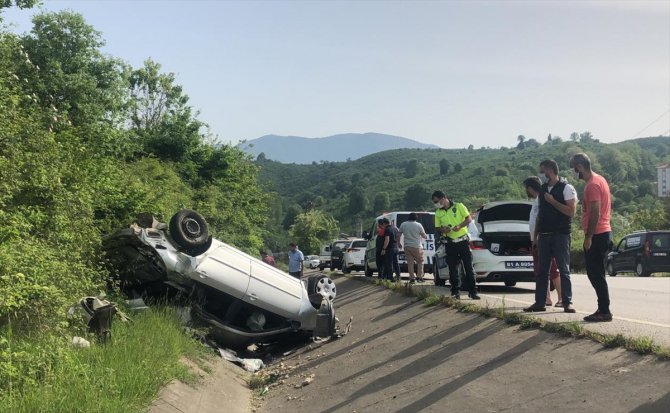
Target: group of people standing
551,233
388,244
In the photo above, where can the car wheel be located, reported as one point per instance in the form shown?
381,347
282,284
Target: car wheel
325,320
610,270
510,283
639,270
189,229
368,271
322,285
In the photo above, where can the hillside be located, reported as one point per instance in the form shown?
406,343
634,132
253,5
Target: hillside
356,191
336,148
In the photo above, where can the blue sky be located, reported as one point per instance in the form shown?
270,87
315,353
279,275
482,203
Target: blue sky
449,73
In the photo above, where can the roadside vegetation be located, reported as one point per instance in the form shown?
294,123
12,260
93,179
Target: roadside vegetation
641,345
86,143
119,376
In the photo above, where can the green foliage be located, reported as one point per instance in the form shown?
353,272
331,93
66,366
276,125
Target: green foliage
358,201
444,166
412,168
78,161
313,228
416,196
381,202
47,374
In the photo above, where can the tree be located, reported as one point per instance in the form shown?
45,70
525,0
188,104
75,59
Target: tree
586,137
161,117
471,147
416,196
261,157
549,139
444,166
313,228
358,201
381,202
521,139
412,168
291,213
531,143
458,167
574,136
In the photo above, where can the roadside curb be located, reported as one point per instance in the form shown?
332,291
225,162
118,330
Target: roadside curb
568,325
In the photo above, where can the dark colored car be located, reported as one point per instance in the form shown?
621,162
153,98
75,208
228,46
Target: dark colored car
642,253
337,253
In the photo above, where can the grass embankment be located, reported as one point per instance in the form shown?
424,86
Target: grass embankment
123,375
575,329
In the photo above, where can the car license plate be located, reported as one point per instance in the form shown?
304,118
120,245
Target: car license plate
401,257
519,265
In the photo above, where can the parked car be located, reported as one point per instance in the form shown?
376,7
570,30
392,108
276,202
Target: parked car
354,256
241,299
337,253
312,261
500,244
642,253
427,219
324,257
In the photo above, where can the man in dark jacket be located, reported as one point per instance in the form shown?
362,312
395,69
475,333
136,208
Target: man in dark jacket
553,230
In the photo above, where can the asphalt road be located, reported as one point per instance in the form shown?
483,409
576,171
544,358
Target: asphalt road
641,305
401,356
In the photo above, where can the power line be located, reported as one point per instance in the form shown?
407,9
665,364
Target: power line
652,122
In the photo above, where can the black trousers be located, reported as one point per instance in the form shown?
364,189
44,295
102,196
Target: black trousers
595,268
390,256
458,252
379,258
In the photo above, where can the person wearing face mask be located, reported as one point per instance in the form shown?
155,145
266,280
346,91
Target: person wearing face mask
451,224
553,233
533,187
597,232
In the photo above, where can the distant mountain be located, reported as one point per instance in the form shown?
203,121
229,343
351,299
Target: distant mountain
337,148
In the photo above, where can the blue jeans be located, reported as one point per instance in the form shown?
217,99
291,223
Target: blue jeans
553,246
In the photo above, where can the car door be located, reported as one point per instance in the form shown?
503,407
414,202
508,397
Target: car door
274,290
659,251
225,269
632,252
618,256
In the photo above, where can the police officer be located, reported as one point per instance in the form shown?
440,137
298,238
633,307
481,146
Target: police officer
451,224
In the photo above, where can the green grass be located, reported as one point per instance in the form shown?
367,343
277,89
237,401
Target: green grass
575,329
124,375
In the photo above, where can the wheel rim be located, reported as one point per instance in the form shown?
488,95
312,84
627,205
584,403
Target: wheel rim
191,227
326,287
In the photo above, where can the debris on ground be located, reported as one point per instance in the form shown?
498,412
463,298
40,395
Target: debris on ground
80,342
250,365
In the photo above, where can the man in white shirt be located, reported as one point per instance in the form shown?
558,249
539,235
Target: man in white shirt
413,234
553,232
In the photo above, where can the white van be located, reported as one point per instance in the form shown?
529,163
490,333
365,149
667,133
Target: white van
427,219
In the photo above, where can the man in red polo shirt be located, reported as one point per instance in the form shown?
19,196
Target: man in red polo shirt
597,232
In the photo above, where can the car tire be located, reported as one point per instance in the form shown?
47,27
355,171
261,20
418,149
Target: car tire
639,270
189,229
368,271
510,283
320,284
610,270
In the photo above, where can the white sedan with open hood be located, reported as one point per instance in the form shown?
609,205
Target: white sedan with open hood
242,299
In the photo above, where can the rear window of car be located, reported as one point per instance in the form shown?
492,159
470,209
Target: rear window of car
660,241
359,244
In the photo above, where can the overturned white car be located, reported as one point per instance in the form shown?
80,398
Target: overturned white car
242,299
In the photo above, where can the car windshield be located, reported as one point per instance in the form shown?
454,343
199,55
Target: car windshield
358,244
426,219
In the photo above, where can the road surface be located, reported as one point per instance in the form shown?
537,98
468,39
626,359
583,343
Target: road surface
402,356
